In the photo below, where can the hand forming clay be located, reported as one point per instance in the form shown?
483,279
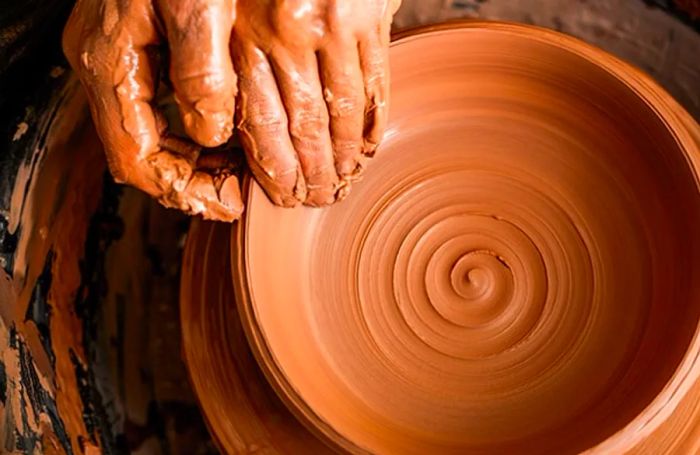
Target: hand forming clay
312,101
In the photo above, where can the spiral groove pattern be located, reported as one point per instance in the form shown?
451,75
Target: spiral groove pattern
509,277
502,275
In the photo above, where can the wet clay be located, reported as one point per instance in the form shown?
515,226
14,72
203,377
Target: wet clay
43,407
313,77
311,94
517,274
241,409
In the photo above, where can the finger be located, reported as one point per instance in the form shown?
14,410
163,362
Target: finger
119,81
343,90
300,89
262,124
374,60
215,197
211,189
201,70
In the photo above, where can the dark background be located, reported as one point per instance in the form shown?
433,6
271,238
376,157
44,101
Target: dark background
122,357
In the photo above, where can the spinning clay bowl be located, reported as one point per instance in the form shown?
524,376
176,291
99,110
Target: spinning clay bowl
518,271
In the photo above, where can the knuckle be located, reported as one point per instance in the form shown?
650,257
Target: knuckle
120,175
308,124
271,122
213,82
375,65
346,149
376,77
120,164
376,105
346,106
120,172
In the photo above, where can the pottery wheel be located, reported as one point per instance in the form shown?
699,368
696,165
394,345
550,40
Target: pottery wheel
517,271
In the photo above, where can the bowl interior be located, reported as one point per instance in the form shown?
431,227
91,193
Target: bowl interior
516,272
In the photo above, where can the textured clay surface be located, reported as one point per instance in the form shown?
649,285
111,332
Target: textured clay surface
516,274
307,80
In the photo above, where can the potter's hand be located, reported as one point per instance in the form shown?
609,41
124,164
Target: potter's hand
110,45
312,80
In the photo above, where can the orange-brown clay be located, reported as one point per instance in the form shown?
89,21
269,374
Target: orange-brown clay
240,407
312,93
518,273
313,81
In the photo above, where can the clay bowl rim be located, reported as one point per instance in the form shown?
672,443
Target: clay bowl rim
678,123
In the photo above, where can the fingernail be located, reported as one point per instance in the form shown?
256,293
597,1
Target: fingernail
211,130
352,170
230,194
199,189
343,190
300,191
369,148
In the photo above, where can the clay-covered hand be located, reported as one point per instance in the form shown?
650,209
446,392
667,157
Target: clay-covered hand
111,45
313,85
